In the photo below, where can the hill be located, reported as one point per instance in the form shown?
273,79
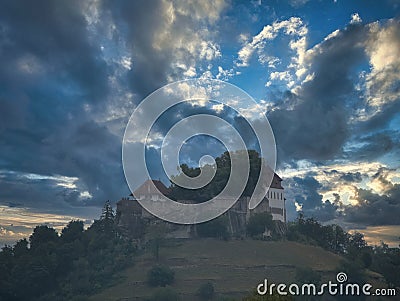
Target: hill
235,267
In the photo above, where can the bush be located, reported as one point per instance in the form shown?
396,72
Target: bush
206,291
160,276
165,294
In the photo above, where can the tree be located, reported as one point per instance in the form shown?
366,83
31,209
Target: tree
107,212
61,268
218,183
356,245
107,219
72,231
21,248
42,236
258,223
160,276
386,261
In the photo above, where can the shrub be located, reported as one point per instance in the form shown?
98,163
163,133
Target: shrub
160,276
206,291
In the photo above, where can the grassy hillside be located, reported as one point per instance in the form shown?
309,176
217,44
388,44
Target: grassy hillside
234,267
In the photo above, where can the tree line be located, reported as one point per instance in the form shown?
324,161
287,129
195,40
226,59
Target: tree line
69,266
79,261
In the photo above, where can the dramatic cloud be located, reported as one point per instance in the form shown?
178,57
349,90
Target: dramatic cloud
52,118
53,79
170,39
72,73
304,193
261,44
317,126
376,209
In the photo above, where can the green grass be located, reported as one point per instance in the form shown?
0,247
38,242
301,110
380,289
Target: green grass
234,267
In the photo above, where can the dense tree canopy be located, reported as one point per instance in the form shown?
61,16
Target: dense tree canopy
223,165
53,267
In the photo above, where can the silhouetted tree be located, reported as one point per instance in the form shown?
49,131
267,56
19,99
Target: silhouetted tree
42,235
72,231
218,183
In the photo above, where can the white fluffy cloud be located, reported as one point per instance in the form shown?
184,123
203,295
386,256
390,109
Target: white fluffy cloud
383,49
344,178
293,27
293,70
183,34
355,18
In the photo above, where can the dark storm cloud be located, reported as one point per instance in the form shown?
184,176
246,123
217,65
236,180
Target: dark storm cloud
93,154
351,177
85,150
383,117
59,67
305,193
165,38
317,127
139,21
190,153
338,176
375,145
51,37
50,69
378,144
41,194
372,208
375,209
309,198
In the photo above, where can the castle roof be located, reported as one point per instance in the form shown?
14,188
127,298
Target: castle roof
151,187
276,182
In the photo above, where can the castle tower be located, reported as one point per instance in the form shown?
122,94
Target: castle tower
276,198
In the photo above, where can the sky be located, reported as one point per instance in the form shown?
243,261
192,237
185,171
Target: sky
326,74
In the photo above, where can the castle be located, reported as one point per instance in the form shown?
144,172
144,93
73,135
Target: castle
132,218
